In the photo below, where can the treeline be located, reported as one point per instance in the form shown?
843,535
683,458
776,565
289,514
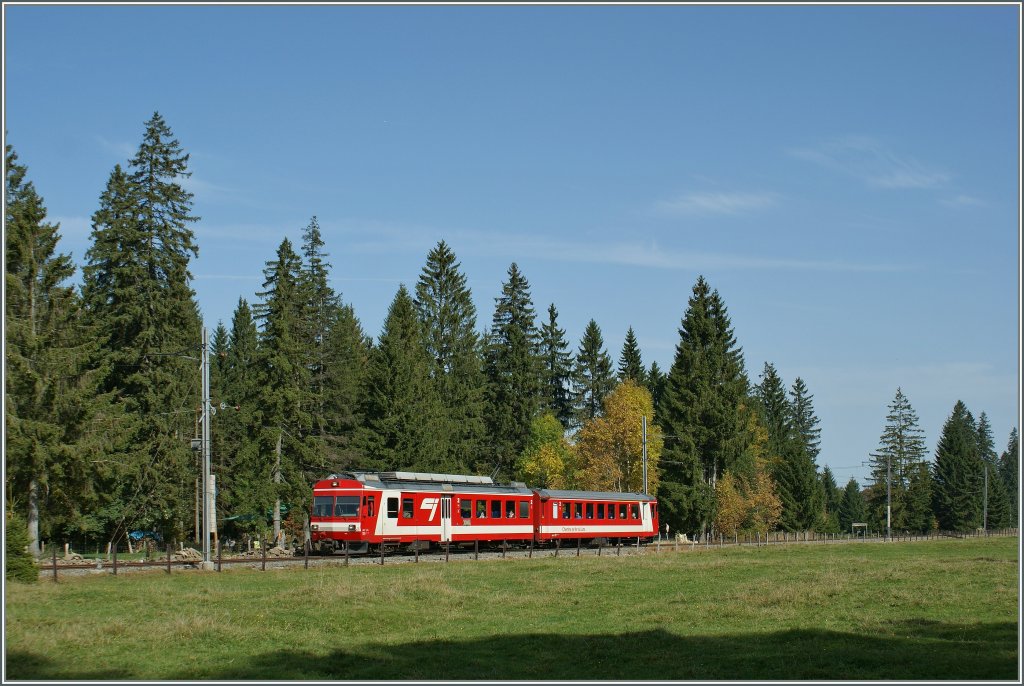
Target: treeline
102,392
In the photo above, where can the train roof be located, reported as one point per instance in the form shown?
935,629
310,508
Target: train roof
425,481
593,495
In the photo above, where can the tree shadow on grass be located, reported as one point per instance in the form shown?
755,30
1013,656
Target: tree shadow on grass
909,651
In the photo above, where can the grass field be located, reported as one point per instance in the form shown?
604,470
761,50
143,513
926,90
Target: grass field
939,610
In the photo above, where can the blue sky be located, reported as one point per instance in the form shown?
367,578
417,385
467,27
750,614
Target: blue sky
846,176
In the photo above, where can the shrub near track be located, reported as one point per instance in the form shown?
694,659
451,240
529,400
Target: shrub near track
927,610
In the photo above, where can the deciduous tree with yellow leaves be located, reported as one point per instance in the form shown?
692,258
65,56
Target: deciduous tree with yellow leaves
610,447
548,461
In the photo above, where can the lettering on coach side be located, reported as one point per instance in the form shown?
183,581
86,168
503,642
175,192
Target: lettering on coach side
569,529
430,504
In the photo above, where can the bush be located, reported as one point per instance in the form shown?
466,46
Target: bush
19,563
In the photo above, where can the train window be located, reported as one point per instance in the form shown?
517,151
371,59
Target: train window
481,509
590,510
566,510
510,509
524,509
634,510
622,511
554,510
579,510
392,508
611,511
369,505
346,506
600,510
322,505
406,508
465,508
495,509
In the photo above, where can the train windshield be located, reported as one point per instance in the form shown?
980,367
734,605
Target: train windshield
342,506
322,505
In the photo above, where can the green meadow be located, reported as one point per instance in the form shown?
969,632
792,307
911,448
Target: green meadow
929,610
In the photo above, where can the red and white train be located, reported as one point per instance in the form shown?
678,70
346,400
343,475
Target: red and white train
368,510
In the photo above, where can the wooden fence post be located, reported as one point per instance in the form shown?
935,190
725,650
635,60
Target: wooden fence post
476,549
416,548
531,549
219,555
54,563
115,560
168,558
346,551
263,548
579,542
558,545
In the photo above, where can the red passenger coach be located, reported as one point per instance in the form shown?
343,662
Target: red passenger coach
596,516
367,510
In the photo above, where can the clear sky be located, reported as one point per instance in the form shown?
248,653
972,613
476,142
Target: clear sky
847,177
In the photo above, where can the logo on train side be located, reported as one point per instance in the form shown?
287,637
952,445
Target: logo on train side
430,504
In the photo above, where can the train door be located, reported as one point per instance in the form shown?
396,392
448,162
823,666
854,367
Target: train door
446,518
645,518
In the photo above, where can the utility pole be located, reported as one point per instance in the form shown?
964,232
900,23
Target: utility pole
207,485
888,497
644,425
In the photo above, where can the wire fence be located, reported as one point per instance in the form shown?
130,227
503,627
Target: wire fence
260,554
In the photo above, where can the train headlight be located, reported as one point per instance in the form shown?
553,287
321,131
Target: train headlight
351,527
314,527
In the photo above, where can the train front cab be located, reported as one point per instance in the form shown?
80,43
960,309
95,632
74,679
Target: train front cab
344,512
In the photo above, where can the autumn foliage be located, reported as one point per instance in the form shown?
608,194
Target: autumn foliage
610,448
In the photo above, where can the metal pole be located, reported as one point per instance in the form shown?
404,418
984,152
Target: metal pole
644,424
888,498
207,495
984,515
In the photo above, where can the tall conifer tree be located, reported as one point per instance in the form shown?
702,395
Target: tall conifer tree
513,367
138,293
1009,470
288,459
631,365
444,304
557,364
400,406
592,375
958,484
51,395
901,449
701,410
347,356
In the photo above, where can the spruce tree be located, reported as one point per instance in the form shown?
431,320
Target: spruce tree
513,368
701,409
557,361
320,310
52,402
347,356
805,422
958,472
400,406
288,459
853,508
630,364
136,286
656,381
831,496
996,507
592,374
918,515
236,425
901,449
444,304
1009,467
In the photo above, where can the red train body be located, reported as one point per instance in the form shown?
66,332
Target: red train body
366,510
